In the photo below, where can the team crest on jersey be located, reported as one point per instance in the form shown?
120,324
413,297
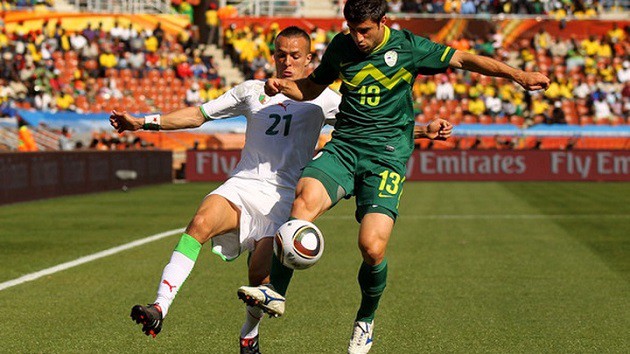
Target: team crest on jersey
262,98
391,58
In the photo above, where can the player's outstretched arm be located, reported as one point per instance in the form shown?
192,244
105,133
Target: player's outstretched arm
491,67
437,129
189,117
299,90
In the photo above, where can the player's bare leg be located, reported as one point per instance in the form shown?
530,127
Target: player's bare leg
259,266
215,216
374,235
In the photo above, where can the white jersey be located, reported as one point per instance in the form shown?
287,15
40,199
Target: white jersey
281,133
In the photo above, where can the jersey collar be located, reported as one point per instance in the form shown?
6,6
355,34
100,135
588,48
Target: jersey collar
385,39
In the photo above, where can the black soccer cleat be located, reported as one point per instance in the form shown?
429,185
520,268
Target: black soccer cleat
150,316
249,345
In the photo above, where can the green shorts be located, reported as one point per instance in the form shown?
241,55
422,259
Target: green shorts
374,174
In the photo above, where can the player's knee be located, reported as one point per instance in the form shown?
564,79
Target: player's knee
372,253
307,205
198,228
300,204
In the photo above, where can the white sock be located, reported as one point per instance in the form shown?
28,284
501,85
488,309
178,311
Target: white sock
253,315
173,277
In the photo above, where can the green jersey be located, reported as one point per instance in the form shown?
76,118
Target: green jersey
376,104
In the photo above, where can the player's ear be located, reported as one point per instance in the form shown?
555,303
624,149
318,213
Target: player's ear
309,57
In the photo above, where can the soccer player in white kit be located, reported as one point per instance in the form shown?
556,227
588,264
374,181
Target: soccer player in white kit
245,211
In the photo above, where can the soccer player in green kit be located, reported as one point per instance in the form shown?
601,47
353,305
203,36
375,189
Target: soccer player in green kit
371,143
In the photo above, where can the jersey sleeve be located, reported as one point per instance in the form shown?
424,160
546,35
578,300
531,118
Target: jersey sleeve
331,108
231,103
431,58
328,70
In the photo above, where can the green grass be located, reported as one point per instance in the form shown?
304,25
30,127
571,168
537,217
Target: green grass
474,267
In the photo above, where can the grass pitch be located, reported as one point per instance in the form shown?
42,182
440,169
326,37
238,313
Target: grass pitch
474,267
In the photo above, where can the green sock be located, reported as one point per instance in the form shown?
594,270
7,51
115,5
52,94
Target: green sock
372,280
188,246
280,276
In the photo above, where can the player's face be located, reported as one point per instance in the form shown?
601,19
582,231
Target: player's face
292,57
368,34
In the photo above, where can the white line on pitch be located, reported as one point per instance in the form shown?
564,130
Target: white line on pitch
117,249
86,259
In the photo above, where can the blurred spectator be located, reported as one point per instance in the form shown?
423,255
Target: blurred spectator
623,75
542,40
493,105
158,33
616,34
78,42
107,60
116,31
540,106
89,33
259,63
557,114
186,9
64,100
193,97
26,142
64,142
476,106
212,21
444,90
43,100
468,7
199,69
394,6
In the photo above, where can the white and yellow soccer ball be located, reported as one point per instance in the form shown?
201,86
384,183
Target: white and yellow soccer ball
298,244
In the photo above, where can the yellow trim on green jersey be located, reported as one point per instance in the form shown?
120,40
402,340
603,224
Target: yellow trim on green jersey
385,39
371,70
448,49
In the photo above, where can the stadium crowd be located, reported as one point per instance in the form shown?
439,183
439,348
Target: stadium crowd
95,69
557,8
590,82
590,77
148,69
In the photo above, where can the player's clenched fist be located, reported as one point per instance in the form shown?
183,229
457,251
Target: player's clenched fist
122,121
273,87
439,129
533,81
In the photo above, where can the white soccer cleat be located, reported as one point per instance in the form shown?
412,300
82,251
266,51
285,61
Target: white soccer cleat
263,296
361,340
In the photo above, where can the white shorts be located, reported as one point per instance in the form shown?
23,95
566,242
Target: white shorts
264,208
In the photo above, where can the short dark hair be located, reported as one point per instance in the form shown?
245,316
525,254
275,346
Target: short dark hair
295,31
357,11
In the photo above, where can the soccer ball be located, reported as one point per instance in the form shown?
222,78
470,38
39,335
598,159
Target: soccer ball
298,244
